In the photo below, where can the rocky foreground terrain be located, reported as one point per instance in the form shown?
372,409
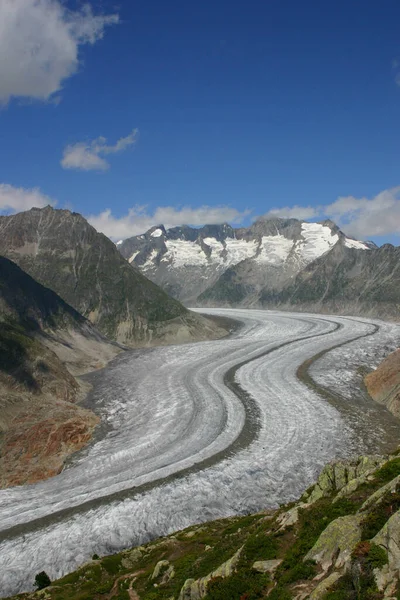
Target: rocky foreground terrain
340,541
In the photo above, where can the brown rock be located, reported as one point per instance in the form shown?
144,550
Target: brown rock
383,384
37,442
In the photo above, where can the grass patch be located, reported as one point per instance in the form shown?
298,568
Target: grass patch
312,522
260,546
241,523
112,563
244,585
389,471
379,514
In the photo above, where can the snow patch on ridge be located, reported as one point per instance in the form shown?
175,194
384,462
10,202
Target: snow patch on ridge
134,255
275,249
355,244
239,250
318,239
156,233
183,252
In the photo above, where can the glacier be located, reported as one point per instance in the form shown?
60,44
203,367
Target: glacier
179,445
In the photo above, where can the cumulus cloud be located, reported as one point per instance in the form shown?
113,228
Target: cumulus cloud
138,219
39,45
89,156
294,212
13,199
368,217
360,217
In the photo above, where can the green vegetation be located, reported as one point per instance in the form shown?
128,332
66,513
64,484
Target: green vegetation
42,580
379,514
199,551
245,585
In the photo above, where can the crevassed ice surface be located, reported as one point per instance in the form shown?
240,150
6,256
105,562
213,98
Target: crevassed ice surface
167,409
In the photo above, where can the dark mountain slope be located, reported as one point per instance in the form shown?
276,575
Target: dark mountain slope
63,252
43,341
346,280
218,265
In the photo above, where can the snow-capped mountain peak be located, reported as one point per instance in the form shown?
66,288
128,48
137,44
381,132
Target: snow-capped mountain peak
186,261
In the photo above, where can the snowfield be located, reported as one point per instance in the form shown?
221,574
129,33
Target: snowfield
193,433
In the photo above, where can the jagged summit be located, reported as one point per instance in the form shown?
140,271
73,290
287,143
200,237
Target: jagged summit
187,262
62,251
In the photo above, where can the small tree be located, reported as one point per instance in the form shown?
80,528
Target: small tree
42,580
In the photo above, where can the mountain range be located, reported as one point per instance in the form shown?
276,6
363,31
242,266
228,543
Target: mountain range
274,263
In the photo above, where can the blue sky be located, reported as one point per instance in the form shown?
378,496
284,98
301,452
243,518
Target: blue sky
223,111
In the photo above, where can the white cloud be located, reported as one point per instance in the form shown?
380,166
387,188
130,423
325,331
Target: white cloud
363,217
360,217
14,199
294,212
88,156
39,45
138,221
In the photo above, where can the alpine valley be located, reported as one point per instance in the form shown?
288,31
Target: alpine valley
262,462
74,307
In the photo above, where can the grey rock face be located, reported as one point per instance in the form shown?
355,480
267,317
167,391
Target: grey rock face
63,252
262,265
345,280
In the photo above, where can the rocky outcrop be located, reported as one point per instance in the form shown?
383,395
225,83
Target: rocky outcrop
266,566
60,250
336,543
322,588
343,477
383,384
197,589
389,538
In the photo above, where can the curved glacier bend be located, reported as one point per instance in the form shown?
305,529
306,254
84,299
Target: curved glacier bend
168,410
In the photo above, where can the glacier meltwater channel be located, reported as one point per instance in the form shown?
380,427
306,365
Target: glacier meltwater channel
192,433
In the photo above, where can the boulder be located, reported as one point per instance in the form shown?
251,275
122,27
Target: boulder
389,539
336,542
336,476
377,496
266,566
161,566
194,589
323,587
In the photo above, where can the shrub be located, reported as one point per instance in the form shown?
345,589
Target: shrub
244,585
42,580
380,514
260,547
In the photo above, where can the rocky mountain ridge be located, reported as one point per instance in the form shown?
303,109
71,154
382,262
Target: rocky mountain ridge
338,542
218,265
344,281
63,252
